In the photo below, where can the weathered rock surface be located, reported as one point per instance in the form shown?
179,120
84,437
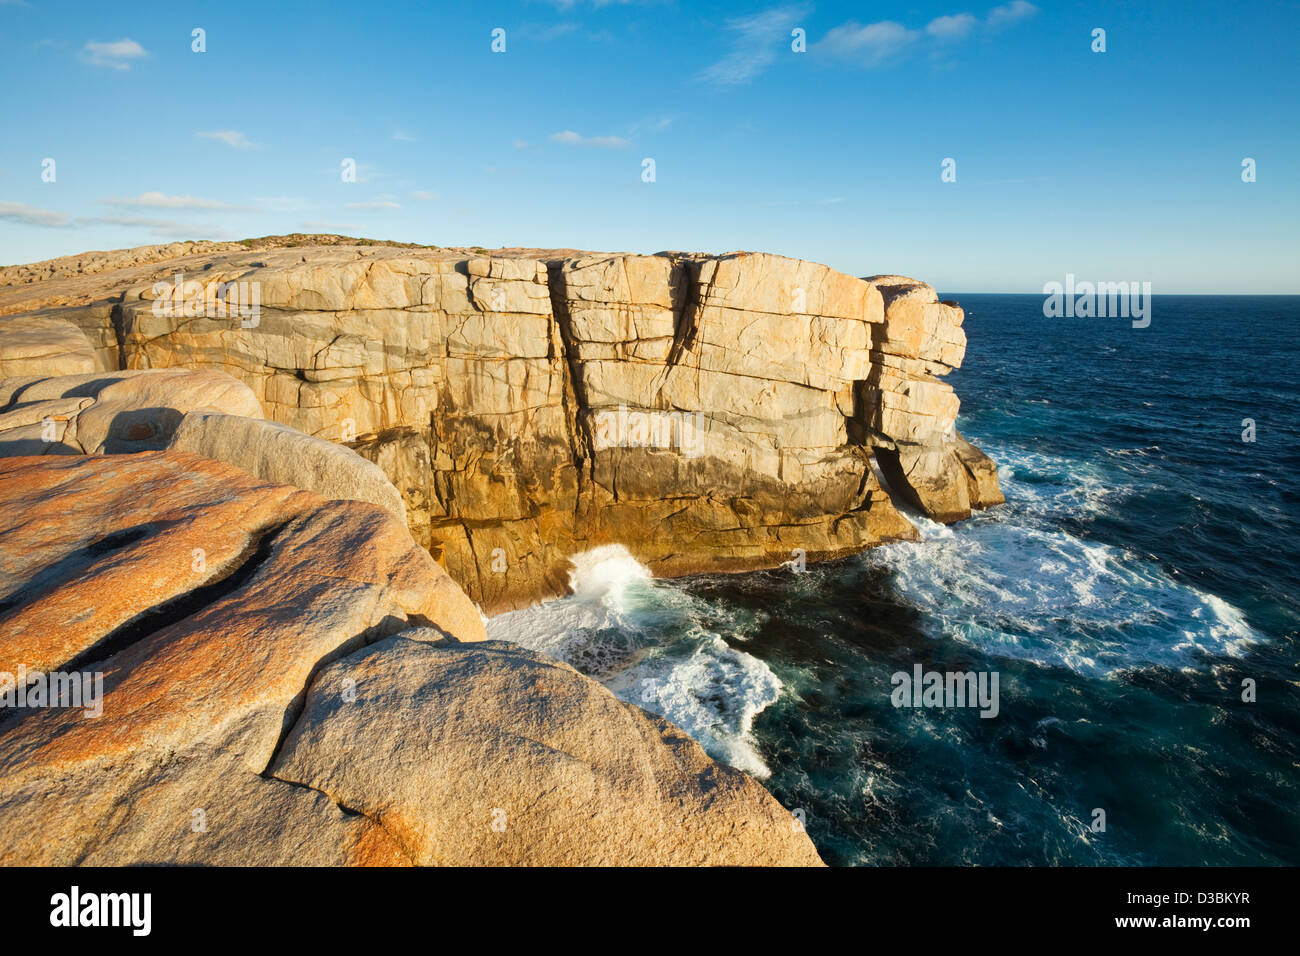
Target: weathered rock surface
708,412
487,754
284,455
109,412
224,613
37,345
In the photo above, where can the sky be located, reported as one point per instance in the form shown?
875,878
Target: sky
1122,165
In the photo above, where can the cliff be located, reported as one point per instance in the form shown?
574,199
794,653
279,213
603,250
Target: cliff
259,496
712,413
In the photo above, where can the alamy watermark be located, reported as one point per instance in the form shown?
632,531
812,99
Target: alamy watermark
35,689
211,299
923,688
649,429
130,910
1098,300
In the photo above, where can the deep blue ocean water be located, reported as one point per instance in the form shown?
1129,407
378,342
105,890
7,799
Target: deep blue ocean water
1145,564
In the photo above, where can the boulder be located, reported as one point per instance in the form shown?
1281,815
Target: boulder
282,455
111,412
491,755
43,345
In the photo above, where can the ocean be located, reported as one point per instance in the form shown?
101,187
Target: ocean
1142,578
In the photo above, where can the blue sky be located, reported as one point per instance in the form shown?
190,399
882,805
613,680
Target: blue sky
1112,166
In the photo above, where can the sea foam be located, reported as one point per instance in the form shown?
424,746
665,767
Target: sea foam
654,645
1011,583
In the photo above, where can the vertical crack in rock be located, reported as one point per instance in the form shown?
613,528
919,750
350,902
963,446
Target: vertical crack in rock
575,388
117,316
386,627
685,276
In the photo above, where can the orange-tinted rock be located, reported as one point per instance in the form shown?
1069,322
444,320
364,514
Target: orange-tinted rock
249,709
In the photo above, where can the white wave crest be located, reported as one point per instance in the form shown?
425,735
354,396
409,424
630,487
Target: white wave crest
655,646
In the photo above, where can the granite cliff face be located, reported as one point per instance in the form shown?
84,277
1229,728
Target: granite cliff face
260,514
709,412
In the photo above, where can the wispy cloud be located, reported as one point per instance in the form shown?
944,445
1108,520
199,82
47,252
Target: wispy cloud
157,200
869,45
374,204
424,194
31,216
953,27
877,44
48,219
114,56
755,42
157,227
655,124
570,4
232,138
1009,13
570,138
400,136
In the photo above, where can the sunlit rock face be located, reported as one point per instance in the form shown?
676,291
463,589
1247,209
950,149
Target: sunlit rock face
710,413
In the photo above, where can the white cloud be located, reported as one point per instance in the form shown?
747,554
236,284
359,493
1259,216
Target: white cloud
400,136
868,45
756,40
1010,13
374,204
655,124
115,56
521,144
877,43
570,138
157,200
31,216
424,194
232,138
952,27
